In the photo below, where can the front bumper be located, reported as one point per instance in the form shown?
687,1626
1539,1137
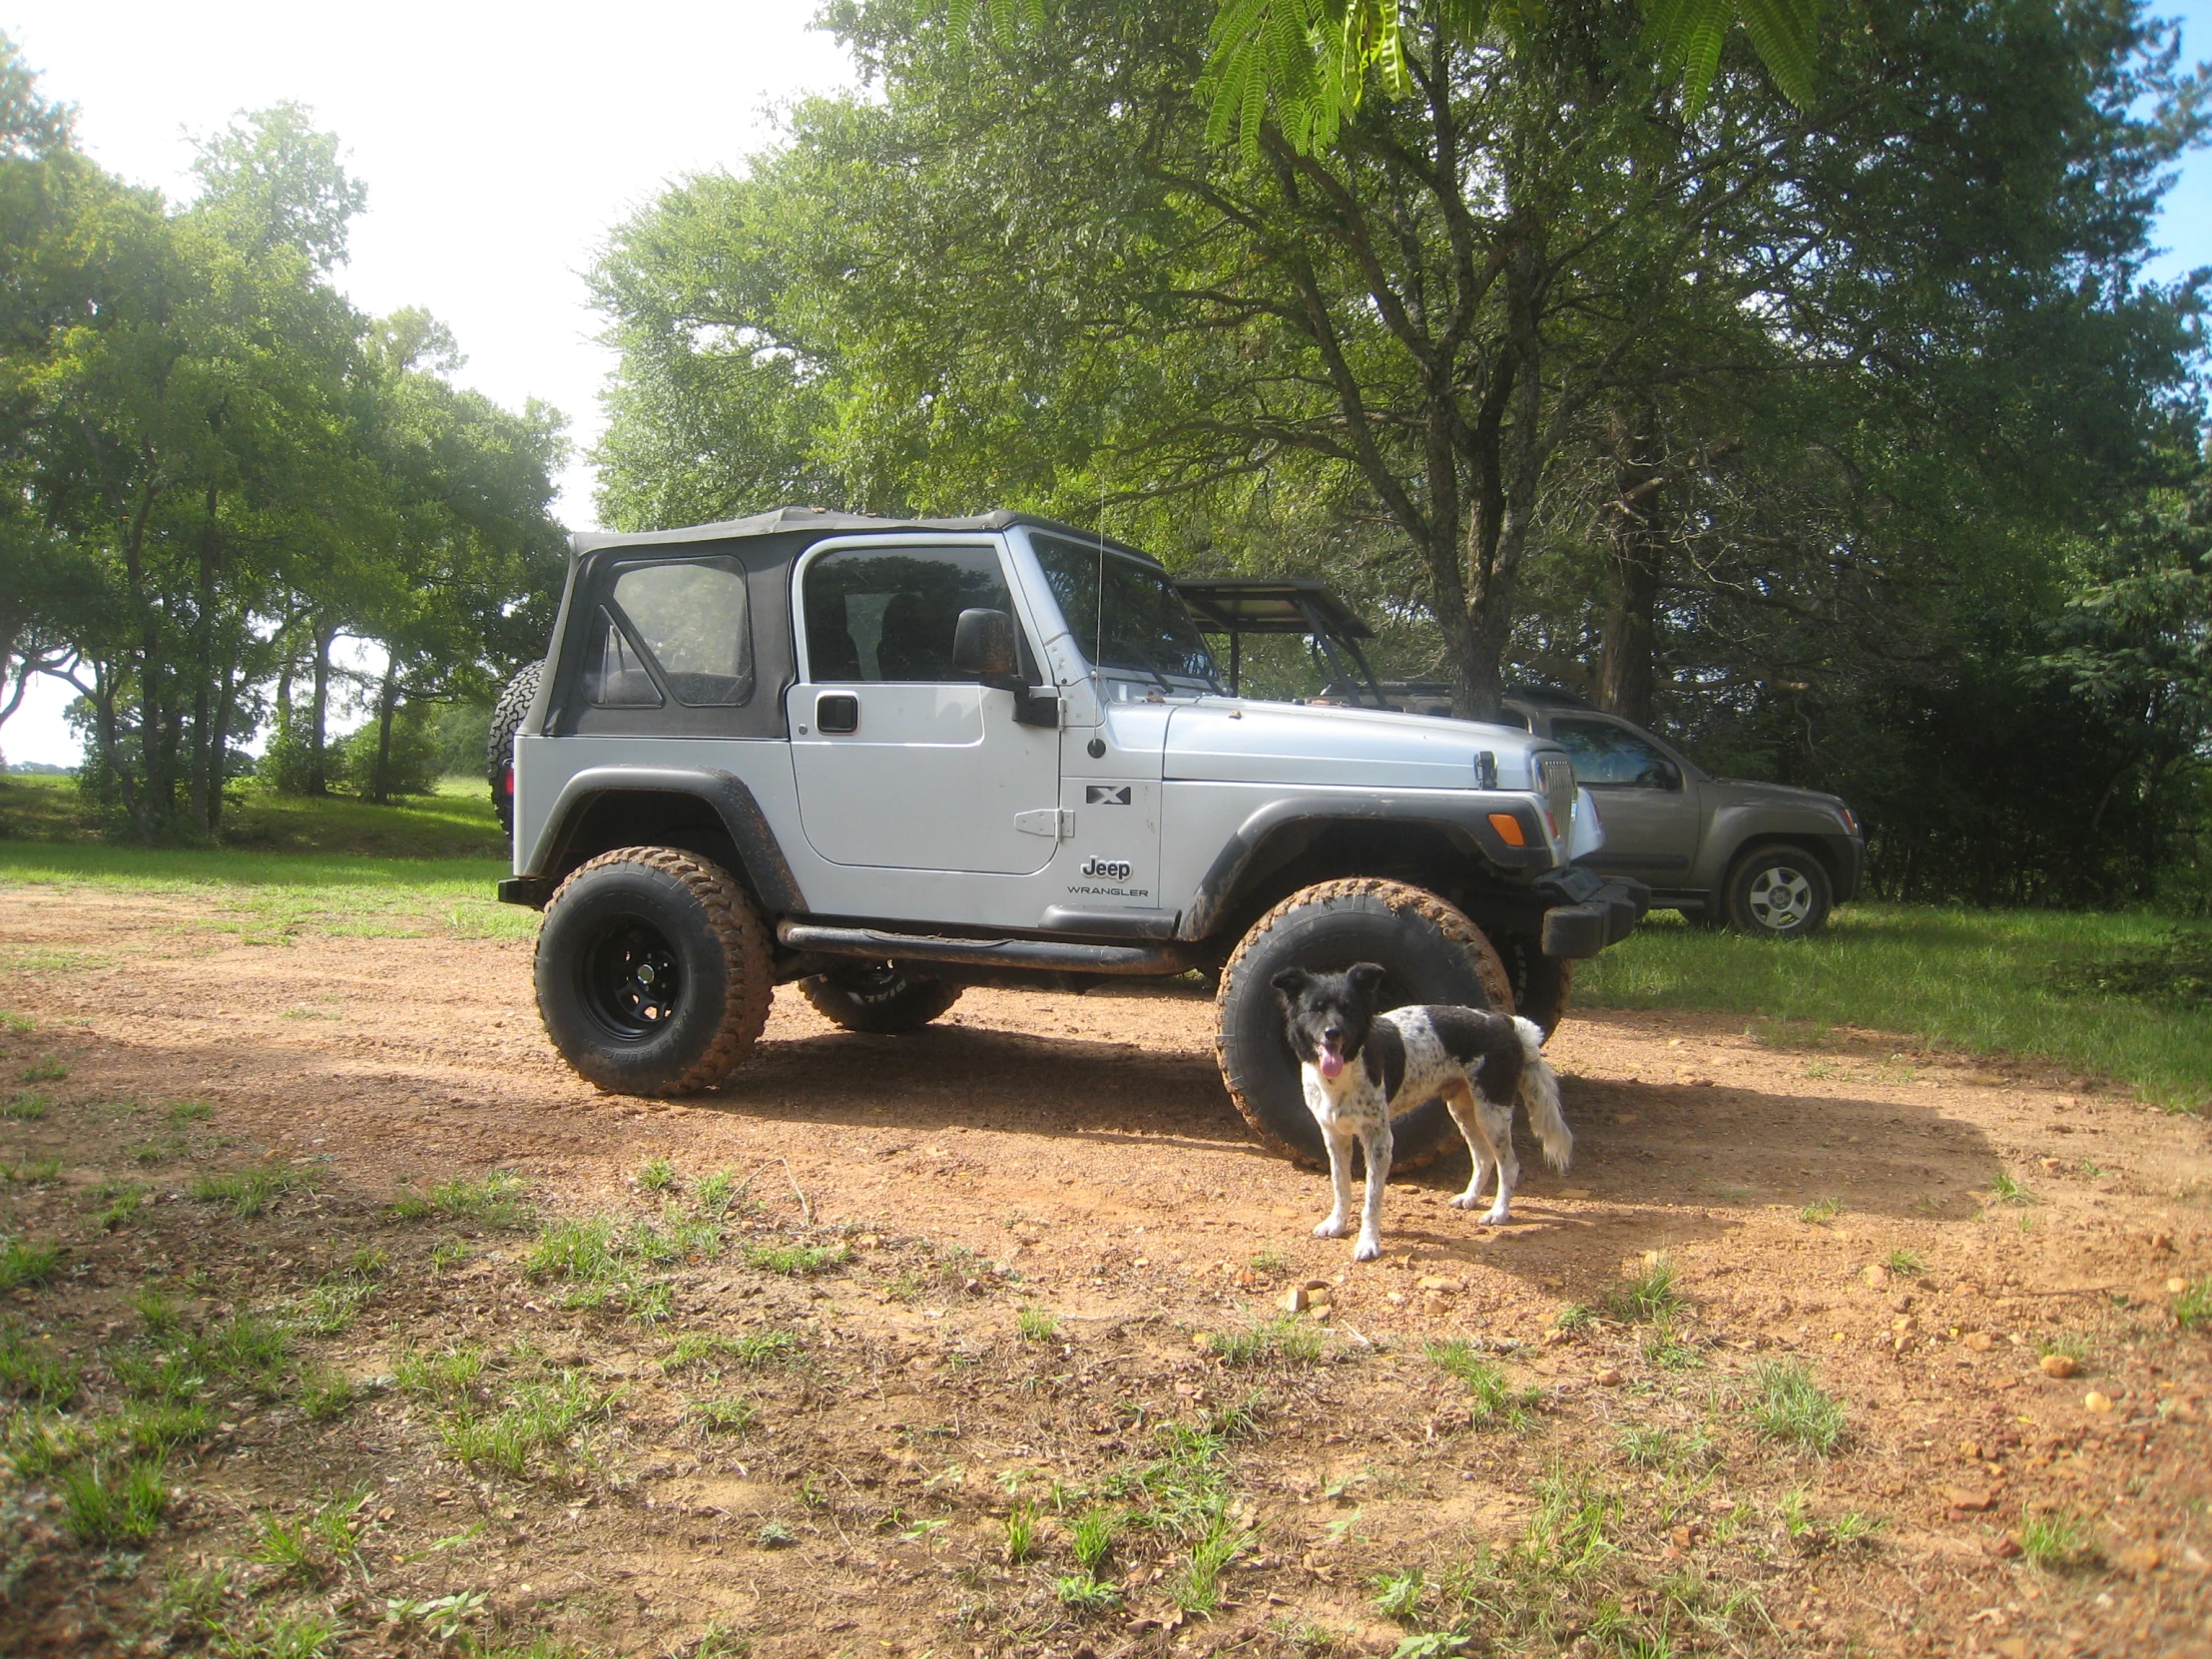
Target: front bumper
1592,911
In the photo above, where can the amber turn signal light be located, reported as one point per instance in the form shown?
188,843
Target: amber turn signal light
1509,829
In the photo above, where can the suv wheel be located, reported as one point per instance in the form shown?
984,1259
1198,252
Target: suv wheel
499,743
1432,953
1778,893
879,997
1542,985
652,971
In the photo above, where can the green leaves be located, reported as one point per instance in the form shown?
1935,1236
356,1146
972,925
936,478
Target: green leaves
1309,60
1687,36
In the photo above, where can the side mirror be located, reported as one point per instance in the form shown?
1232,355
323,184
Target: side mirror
984,642
1668,774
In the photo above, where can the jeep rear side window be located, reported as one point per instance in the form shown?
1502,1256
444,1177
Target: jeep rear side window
890,614
692,617
613,677
1607,754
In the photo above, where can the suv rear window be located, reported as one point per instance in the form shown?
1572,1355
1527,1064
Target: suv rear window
692,617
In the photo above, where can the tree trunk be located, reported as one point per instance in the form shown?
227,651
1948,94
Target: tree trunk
318,778
204,766
224,702
1636,567
387,700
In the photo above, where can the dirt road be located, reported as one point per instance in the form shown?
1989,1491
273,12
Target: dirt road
1051,1210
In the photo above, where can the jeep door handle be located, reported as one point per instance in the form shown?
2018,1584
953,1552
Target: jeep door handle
837,712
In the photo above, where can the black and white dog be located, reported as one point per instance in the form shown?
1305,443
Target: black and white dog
1361,1066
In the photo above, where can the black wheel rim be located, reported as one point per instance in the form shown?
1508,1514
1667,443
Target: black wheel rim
632,985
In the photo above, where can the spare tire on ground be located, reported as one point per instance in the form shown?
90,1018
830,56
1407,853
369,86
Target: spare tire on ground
1431,953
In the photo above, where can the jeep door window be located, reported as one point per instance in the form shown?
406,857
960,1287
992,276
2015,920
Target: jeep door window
1606,754
889,616
692,617
1124,615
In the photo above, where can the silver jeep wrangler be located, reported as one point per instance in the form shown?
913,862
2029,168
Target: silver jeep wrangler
891,759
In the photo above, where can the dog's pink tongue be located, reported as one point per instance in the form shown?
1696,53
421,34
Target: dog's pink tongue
1331,1063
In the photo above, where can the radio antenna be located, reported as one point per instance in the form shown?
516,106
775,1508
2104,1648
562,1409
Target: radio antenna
1098,608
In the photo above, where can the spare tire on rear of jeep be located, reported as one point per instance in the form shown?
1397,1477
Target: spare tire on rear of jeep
499,743
1431,953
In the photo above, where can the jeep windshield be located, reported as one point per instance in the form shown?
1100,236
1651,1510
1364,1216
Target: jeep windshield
1126,615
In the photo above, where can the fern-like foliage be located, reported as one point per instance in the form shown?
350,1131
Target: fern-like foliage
1307,64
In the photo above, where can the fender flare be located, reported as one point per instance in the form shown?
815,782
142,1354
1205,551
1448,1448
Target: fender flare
763,856
1463,819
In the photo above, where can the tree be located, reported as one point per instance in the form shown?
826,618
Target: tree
1533,272
229,468
41,176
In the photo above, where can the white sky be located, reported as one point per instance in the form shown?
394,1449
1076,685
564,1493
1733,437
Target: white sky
499,143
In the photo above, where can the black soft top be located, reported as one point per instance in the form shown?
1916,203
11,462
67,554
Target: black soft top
823,521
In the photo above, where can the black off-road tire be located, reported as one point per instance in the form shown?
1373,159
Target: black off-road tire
1778,893
499,743
618,934
1542,985
1433,953
879,997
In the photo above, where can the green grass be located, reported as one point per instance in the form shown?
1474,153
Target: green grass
1275,1342
1982,981
1789,1405
248,1193
1036,1325
797,1260
24,1262
538,1416
456,822
2056,1538
25,1107
1649,1298
497,1201
731,1414
1092,1538
1485,1383
113,1502
34,1372
2193,1307
333,867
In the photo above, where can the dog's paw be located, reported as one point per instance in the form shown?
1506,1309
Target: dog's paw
1331,1229
1467,1201
1498,1217
1367,1248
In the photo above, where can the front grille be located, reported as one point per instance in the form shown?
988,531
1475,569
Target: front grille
1555,783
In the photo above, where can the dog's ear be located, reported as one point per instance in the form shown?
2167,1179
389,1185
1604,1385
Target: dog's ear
1292,982
1366,981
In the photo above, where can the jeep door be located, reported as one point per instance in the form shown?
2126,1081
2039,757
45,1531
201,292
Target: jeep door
902,763
1646,798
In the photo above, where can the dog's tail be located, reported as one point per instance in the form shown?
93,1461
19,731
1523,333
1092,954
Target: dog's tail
1539,1093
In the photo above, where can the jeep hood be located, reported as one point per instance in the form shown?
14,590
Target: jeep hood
1221,740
